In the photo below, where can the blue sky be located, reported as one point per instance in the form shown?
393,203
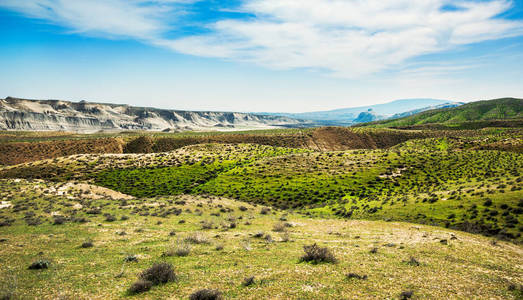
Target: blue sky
260,55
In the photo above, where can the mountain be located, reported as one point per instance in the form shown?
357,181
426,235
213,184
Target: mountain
415,111
367,116
485,110
24,114
347,116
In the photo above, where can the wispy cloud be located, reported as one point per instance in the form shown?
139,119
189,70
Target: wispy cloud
137,19
347,38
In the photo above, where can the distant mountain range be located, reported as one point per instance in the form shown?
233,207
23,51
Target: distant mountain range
479,111
58,115
349,116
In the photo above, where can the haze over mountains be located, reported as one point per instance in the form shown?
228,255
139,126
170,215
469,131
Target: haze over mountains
393,109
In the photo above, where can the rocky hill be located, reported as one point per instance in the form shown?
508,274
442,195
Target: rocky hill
58,115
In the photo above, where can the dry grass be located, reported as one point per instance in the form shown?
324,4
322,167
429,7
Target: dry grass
465,268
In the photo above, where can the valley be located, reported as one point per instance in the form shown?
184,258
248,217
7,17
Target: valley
261,149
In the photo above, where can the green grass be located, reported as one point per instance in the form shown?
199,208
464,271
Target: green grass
424,181
441,181
160,181
184,178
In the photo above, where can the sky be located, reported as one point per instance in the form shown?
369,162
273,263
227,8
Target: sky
260,55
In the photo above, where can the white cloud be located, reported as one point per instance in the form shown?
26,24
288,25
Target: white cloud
348,38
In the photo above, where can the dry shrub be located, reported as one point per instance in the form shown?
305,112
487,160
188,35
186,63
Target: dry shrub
159,273
206,294
279,227
39,264
197,238
140,286
315,254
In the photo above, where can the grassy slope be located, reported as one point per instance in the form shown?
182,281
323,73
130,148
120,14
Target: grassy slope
443,181
468,266
498,109
425,181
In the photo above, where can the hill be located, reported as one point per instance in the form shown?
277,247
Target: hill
19,147
449,182
415,111
58,115
480,111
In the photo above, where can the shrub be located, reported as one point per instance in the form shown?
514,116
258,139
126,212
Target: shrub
39,264
87,244
278,227
265,210
248,281
8,295
80,220
316,254
6,223
406,295
58,220
159,273
197,238
285,237
268,238
110,218
131,258
207,225
206,294
181,249
515,287
140,286
356,276
412,261
31,222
